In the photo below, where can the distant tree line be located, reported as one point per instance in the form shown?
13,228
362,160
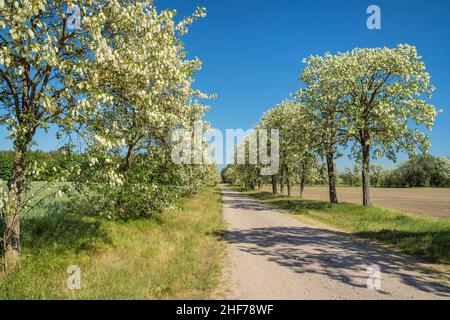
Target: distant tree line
418,171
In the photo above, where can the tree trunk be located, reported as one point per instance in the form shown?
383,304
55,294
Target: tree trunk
129,158
367,200
287,180
282,182
289,186
11,214
331,176
274,185
302,184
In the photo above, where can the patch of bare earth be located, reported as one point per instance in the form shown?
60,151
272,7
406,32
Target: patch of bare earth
419,201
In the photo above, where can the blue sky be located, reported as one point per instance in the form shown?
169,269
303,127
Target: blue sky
252,51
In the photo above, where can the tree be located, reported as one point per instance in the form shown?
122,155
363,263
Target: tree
424,170
351,177
150,82
376,174
44,74
119,80
296,138
324,103
384,91
309,167
442,177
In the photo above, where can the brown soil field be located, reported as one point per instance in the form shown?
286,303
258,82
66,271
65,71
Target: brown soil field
419,201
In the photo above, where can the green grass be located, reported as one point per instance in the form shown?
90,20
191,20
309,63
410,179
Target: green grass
423,236
176,255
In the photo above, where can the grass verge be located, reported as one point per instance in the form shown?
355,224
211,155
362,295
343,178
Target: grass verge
176,255
424,236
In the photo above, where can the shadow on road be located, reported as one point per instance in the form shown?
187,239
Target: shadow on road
336,255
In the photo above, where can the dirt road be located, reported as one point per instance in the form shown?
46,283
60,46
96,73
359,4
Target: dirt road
274,256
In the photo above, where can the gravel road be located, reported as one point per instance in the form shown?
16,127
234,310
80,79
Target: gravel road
272,255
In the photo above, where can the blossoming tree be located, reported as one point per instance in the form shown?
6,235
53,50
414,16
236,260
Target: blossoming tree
117,77
385,92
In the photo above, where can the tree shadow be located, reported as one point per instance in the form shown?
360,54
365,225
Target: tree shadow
434,246
301,205
335,255
240,201
245,205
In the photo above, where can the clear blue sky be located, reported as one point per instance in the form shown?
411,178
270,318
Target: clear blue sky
252,50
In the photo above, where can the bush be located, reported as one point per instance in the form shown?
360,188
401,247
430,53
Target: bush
6,161
60,159
151,186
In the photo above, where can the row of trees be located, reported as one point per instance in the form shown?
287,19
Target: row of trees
373,102
114,88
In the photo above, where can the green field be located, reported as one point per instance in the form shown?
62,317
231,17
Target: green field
174,255
425,236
